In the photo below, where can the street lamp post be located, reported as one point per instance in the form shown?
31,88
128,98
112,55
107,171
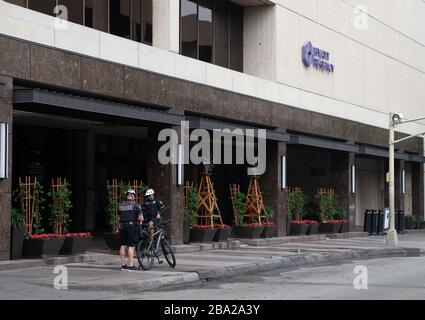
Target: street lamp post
395,119
392,238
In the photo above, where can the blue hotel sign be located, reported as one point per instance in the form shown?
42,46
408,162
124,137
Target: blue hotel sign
316,57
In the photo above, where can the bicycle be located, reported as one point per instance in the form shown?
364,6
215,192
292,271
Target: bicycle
148,248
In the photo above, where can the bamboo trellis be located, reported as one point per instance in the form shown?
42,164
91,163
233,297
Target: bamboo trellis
28,201
118,197
327,191
287,191
187,186
207,202
58,220
254,206
234,190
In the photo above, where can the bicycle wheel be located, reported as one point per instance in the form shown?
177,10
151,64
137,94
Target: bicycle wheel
168,253
145,255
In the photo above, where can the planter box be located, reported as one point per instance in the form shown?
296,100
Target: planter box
313,229
17,245
41,248
186,232
112,240
423,225
329,227
75,245
202,235
299,229
344,227
248,232
269,232
288,225
222,234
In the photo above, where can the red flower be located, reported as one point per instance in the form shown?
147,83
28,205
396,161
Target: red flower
54,236
222,226
334,221
78,235
46,236
202,227
255,225
268,224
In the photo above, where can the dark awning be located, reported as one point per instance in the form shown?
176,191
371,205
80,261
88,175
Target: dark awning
2,90
323,143
31,97
212,124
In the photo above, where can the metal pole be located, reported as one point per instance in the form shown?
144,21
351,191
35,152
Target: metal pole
392,233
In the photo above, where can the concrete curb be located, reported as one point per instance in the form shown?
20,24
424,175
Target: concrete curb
53,261
310,259
316,237
136,286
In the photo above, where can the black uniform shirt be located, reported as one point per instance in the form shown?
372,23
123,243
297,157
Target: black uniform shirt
151,208
129,211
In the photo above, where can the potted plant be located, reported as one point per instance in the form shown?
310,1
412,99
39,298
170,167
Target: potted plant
202,233
76,243
112,238
241,229
222,233
190,213
410,222
270,228
60,207
344,226
296,200
330,226
249,231
18,234
299,228
43,245
313,227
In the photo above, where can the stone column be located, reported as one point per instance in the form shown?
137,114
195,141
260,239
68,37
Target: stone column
6,108
418,189
83,184
351,195
163,179
341,180
166,24
399,196
273,195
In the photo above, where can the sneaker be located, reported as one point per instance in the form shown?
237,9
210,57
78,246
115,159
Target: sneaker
124,267
131,269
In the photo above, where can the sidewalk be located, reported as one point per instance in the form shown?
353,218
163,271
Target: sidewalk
100,272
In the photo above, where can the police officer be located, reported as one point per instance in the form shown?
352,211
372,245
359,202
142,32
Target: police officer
152,209
128,213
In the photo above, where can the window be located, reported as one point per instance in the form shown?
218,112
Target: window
236,37
205,21
75,10
147,22
221,33
189,28
212,31
22,3
45,6
119,18
136,20
96,14
131,19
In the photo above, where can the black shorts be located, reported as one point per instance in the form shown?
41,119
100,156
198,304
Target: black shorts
129,235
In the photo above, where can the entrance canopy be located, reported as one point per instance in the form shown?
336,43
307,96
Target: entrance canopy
54,102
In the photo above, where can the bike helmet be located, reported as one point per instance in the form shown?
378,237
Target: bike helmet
130,191
149,192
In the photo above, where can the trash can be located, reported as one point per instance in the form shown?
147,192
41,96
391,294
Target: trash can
381,219
367,221
400,222
374,223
